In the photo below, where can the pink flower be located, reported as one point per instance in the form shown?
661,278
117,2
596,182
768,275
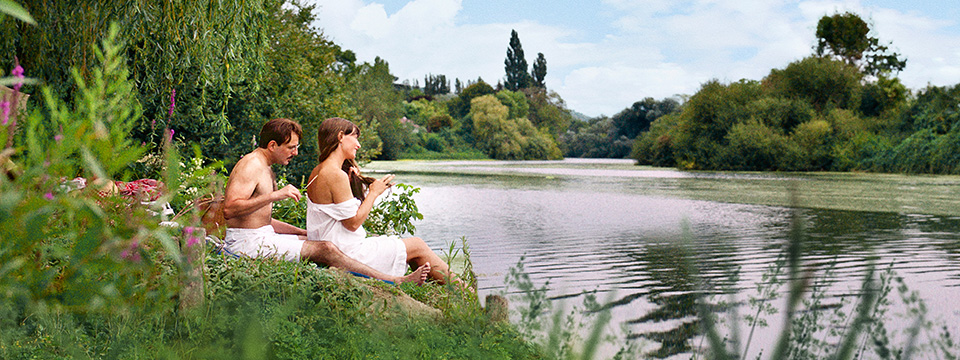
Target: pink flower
18,73
58,137
173,102
191,240
48,196
131,253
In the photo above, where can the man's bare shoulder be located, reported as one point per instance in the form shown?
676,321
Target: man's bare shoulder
250,168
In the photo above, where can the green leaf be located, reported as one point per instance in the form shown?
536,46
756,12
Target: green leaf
13,9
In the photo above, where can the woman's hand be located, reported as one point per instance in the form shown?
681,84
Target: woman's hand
379,186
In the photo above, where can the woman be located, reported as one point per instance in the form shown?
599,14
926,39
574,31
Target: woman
339,200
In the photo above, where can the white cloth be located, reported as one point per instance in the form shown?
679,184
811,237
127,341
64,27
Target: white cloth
386,254
262,242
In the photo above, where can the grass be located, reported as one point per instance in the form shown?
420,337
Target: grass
263,308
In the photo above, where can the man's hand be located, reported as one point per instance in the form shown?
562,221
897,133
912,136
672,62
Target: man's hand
288,191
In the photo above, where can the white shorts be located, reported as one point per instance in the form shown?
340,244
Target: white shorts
262,242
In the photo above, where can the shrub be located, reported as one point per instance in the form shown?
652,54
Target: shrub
824,83
815,138
755,146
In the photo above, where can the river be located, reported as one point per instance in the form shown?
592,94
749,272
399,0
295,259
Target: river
629,234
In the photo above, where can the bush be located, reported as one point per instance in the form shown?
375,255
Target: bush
824,83
815,138
755,146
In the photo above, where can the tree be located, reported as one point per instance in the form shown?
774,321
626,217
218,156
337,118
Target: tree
460,105
436,85
637,118
548,111
539,71
516,65
846,36
824,83
508,139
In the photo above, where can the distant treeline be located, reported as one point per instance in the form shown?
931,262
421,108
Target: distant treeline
840,109
816,114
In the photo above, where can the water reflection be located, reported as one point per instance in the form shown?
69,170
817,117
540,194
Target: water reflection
624,234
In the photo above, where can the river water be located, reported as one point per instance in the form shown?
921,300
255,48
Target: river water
628,234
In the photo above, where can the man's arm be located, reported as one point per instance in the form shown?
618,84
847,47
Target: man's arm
243,181
281,227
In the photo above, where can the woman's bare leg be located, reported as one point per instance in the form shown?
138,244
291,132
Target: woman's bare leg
326,253
418,254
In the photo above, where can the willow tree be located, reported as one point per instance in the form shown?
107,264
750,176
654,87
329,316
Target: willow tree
186,58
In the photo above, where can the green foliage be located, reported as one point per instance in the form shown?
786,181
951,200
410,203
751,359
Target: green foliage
508,139
782,114
637,118
707,118
395,213
846,36
539,72
823,83
68,251
655,147
935,109
436,85
597,139
515,101
756,146
460,105
548,111
815,139
424,112
515,65
885,95
305,81
200,51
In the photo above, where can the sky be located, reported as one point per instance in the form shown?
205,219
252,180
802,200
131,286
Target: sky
604,55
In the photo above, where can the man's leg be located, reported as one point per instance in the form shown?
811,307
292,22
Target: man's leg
326,253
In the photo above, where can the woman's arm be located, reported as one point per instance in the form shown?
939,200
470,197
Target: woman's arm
342,192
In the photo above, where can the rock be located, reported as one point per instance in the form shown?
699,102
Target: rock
388,302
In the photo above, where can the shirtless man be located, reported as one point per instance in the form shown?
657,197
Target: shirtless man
248,205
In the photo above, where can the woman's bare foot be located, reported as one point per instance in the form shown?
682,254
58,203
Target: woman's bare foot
418,276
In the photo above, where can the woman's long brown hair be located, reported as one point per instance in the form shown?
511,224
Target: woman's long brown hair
327,142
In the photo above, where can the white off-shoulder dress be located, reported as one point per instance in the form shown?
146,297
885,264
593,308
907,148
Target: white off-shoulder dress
386,254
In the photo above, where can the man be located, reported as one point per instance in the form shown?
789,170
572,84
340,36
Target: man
248,204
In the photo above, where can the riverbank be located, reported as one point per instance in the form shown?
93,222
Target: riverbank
262,308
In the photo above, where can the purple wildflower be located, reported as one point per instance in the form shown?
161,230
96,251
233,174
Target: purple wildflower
4,112
18,73
170,136
191,240
48,196
58,137
131,253
173,102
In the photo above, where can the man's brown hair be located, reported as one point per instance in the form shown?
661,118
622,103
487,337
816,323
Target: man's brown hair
279,130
